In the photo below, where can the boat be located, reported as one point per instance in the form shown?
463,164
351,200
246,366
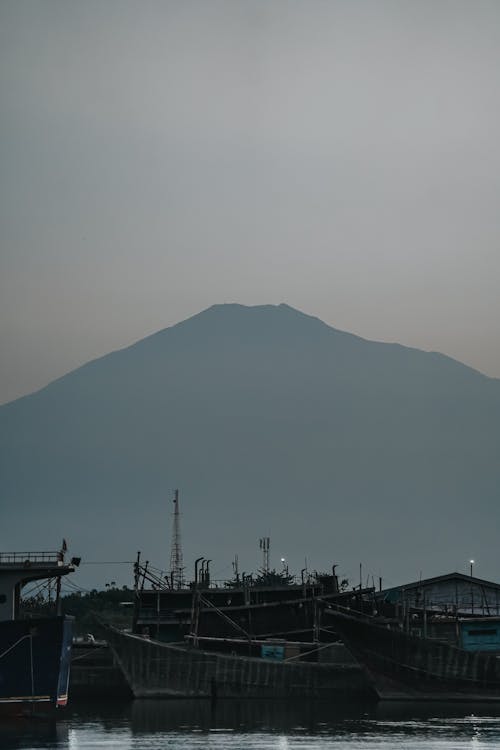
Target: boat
35,652
271,668
269,606
94,673
400,665
261,638
251,637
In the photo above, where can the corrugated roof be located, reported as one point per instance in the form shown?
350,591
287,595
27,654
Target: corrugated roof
440,579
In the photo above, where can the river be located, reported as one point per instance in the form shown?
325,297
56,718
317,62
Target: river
256,725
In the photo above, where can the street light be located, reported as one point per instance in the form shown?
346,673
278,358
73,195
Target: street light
471,564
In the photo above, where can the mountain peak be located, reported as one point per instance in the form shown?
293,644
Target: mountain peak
238,307
236,313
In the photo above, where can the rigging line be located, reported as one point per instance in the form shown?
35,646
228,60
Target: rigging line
208,603
306,653
71,584
41,584
153,567
23,638
71,592
87,655
107,562
36,589
77,590
45,583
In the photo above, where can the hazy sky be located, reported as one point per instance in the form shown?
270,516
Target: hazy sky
159,157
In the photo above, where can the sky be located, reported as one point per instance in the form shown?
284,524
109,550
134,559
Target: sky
341,156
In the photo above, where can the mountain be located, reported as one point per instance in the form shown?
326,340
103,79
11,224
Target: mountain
270,423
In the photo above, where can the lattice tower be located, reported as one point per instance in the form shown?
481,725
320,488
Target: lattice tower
264,545
176,560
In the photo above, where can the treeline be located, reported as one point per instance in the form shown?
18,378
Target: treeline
113,605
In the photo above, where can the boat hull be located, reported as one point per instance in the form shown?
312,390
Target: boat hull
34,665
404,667
154,669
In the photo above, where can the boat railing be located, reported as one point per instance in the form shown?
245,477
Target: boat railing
20,558
333,606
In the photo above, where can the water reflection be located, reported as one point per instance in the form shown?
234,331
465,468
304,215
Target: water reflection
27,733
244,716
302,716
187,724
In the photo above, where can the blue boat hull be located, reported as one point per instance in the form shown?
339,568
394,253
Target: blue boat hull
34,664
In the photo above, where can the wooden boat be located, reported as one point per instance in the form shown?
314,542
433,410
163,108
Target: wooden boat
402,666
260,638
158,669
270,606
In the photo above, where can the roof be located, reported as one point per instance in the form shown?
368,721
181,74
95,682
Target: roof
441,579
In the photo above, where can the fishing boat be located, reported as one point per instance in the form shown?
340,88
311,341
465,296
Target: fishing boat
35,652
403,666
270,668
253,638
271,605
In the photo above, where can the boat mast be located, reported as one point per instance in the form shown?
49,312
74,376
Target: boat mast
176,560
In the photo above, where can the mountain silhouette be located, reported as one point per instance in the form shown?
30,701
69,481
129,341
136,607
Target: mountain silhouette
270,422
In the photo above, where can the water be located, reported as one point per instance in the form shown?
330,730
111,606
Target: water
256,725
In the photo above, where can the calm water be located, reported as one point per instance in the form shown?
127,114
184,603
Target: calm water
234,725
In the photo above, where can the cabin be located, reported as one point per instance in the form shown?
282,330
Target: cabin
456,608
19,568
454,593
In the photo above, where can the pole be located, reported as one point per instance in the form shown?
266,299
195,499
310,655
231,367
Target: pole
58,596
471,588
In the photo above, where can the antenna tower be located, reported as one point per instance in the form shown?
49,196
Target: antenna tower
264,545
176,561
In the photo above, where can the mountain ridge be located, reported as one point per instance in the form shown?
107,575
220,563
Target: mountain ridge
217,308
270,422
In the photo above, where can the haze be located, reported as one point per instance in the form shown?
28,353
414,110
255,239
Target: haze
159,157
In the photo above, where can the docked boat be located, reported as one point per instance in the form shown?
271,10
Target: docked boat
403,666
35,652
269,606
253,638
270,668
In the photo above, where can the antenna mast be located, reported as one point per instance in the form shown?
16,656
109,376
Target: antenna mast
176,561
264,545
